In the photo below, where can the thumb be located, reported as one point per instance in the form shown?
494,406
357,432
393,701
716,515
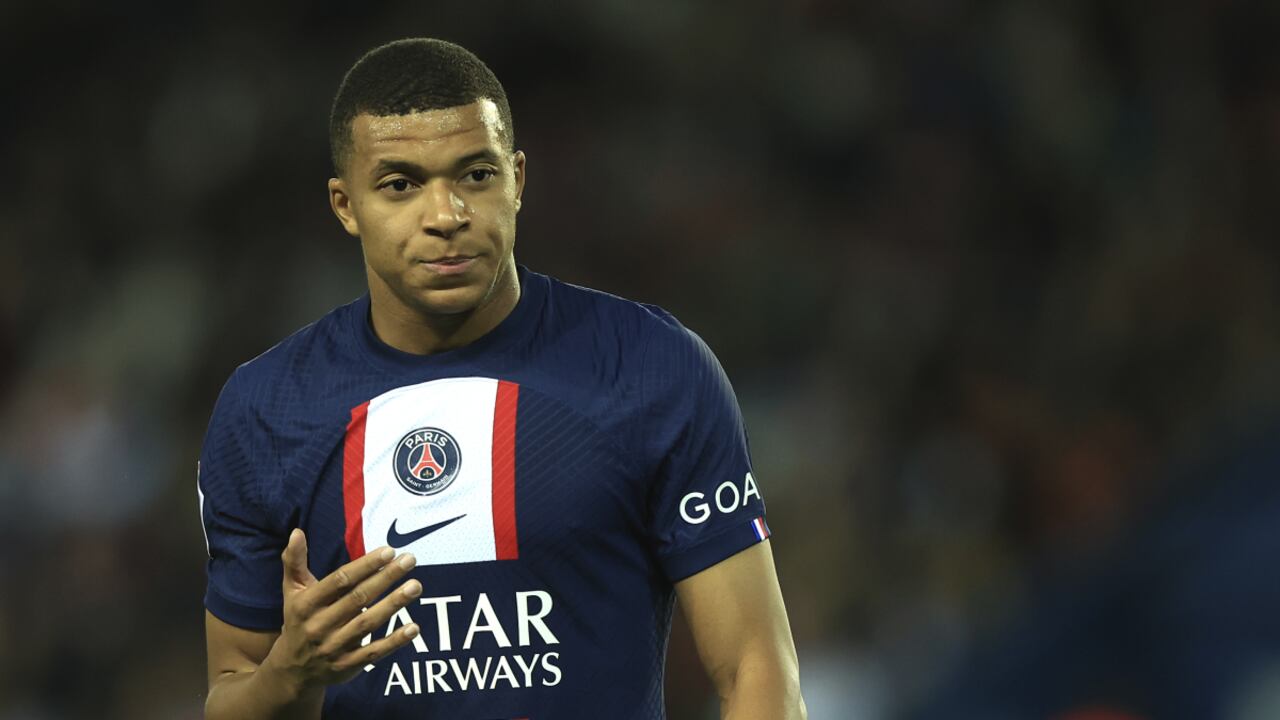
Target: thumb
296,571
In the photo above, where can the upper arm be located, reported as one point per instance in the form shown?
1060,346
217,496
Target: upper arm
233,649
704,504
244,533
737,617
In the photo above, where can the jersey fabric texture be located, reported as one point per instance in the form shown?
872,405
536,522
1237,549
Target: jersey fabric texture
554,479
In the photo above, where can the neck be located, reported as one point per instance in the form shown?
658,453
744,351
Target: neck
414,330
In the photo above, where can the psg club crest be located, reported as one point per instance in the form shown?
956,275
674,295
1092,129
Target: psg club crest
427,461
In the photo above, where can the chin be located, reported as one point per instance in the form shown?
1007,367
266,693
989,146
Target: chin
451,301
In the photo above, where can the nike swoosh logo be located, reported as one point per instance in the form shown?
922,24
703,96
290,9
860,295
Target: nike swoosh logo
397,540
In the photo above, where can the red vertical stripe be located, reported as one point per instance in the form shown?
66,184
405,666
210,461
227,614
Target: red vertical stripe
353,480
505,539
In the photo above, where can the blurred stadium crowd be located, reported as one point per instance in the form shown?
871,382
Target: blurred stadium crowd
996,283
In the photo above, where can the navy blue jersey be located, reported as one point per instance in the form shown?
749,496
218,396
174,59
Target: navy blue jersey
554,479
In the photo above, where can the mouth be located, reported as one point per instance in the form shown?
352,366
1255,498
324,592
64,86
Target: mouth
450,265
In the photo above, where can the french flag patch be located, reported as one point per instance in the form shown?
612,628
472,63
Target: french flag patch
760,528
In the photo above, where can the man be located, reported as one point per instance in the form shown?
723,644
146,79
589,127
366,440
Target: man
550,463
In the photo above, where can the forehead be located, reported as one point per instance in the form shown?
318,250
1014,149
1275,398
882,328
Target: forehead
473,126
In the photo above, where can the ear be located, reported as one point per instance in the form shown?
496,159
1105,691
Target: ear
340,201
518,160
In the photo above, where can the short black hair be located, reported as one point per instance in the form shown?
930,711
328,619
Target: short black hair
412,75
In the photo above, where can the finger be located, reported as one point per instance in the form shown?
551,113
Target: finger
375,651
296,572
340,581
363,623
364,594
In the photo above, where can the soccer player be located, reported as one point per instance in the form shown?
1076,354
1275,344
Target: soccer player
476,491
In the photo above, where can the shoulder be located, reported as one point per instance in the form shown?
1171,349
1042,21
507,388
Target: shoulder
635,325
628,346
301,356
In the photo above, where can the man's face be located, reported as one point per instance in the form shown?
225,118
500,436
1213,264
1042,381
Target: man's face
433,198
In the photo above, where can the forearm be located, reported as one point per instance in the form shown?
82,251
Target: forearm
763,689
261,694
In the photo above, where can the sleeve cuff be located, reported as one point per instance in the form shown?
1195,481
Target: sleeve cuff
244,616
683,563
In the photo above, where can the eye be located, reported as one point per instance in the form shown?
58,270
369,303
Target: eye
397,186
480,175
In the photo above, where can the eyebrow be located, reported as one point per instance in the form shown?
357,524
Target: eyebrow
408,167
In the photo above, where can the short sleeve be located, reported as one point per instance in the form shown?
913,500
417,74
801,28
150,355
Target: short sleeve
244,545
705,503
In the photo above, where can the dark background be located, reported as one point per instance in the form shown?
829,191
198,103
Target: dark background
996,283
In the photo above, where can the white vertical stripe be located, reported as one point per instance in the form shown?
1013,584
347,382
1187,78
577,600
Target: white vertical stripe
463,408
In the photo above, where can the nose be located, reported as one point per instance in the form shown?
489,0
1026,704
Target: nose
445,213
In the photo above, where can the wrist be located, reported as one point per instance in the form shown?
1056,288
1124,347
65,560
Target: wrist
287,684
